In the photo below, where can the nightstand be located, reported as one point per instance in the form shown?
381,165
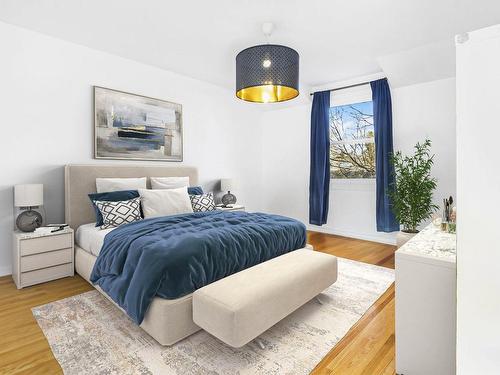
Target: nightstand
231,207
42,256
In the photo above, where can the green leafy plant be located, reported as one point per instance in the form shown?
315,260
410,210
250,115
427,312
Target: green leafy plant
412,194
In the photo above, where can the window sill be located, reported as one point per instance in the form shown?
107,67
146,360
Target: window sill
350,181
367,184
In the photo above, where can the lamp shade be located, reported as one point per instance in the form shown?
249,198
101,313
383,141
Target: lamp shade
267,73
227,184
28,195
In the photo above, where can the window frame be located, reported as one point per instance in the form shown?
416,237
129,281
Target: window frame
352,95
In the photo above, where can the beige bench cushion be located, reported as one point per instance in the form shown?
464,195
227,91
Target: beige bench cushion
240,307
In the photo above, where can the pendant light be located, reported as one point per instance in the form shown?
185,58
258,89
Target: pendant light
267,73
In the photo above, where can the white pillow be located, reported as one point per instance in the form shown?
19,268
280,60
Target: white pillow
165,202
104,185
169,182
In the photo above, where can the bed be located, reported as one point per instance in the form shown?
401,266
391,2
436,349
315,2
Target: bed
166,320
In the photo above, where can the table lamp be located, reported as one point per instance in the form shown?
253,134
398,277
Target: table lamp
227,184
27,197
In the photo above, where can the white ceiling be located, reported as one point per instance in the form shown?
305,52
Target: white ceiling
421,64
336,39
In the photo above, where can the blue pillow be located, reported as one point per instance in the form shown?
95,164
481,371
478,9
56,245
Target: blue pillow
195,190
112,196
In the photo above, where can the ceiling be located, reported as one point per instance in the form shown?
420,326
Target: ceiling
336,39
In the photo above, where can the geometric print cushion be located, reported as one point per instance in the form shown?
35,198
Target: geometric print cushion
117,213
203,202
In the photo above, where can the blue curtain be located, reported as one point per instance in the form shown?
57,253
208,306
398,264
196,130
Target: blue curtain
382,117
319,180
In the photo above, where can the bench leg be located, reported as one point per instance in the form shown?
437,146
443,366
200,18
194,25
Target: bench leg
260,343
319,300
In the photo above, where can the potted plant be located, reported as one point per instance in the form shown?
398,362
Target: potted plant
412,194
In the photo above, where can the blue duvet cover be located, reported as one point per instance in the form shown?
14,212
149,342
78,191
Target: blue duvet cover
172,256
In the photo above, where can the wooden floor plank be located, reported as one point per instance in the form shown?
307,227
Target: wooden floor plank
391,368
368,348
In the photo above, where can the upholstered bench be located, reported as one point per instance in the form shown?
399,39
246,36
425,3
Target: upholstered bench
240,307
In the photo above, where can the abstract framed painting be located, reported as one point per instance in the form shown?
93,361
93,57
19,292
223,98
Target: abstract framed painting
135,127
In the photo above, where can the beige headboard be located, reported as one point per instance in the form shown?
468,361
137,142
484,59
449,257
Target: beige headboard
79,180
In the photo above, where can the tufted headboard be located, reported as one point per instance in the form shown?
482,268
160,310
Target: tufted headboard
79,180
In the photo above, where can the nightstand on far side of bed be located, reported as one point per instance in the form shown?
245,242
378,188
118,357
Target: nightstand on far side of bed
42,256
232,207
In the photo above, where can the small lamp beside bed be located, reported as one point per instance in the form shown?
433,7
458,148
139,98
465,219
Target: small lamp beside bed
227,184
27,197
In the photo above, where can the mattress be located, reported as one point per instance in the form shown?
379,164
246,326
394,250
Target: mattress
90,238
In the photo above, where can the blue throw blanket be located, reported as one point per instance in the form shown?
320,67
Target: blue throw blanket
173,256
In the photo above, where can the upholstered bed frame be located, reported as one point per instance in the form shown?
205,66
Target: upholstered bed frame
167,321
80,181
235,309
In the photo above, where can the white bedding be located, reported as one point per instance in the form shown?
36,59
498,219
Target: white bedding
90,238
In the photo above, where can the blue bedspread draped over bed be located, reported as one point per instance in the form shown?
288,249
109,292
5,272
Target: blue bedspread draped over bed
173,256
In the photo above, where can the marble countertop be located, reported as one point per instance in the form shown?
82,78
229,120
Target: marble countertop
40,232
432,242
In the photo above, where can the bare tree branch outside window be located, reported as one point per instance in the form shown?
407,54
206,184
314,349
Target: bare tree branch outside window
352,145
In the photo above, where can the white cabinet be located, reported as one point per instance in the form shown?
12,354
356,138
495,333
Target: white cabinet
426,304
478,189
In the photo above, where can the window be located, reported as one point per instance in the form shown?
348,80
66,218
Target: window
352,142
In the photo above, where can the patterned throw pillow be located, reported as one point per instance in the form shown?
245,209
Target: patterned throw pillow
112,196
203,202
117,213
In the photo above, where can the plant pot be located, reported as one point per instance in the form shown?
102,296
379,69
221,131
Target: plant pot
403,237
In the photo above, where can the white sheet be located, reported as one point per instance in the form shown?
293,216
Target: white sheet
90,238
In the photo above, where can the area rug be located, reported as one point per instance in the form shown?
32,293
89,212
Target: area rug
88,335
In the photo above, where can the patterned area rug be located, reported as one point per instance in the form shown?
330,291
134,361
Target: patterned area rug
88,335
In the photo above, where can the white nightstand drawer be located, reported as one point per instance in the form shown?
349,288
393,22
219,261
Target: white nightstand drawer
46,274
47,243
51,258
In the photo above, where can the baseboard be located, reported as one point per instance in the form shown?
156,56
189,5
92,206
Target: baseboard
5,270
382,238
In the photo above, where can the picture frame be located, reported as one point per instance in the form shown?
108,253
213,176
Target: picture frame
135,127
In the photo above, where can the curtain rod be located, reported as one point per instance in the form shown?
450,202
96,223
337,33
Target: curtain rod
345,87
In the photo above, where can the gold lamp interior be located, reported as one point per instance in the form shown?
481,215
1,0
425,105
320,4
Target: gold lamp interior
267,93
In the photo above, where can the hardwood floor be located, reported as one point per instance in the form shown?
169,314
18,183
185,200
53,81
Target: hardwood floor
350,248
368,348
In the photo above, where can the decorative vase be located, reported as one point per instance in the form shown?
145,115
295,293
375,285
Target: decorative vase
403,237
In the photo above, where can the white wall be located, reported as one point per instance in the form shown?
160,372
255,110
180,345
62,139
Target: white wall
46,96
285,148
419,111
429,110
47,119
478,186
